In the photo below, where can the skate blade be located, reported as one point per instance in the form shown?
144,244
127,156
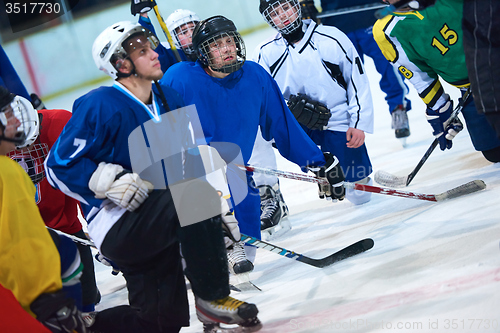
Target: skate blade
277,231
243,283
253,325
403,142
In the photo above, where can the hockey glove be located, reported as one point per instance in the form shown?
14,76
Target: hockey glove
141,6
312,114
332,171
129,190
58,313
103,177
437,119
107,262
308,10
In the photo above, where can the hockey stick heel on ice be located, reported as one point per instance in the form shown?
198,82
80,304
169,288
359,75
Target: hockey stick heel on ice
387,179
349,251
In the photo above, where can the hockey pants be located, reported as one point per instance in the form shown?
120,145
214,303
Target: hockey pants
145,245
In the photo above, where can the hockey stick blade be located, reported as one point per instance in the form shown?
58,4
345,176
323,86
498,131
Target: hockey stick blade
387,179
470,187
349,251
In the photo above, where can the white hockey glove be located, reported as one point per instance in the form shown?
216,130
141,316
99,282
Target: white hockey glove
129,191
125,189
103,177
229,224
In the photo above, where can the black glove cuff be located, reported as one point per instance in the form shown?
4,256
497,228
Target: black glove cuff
47,304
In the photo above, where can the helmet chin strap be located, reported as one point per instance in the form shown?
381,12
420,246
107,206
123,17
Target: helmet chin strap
18,140
295,36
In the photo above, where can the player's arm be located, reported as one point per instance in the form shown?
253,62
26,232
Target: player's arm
424,79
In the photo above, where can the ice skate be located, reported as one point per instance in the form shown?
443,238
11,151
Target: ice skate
273,212
237,259
228,311
400,124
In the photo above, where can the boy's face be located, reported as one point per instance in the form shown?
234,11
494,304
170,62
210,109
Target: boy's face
185,33
282,14
145,59
222,51
10,130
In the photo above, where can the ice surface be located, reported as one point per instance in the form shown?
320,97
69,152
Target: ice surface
435,267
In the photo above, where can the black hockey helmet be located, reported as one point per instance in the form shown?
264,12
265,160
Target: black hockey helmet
204,38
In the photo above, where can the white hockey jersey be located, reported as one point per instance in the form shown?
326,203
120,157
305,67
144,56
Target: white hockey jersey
325,66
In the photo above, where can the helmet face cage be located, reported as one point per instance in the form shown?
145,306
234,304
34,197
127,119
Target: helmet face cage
27,131
181,24
183,32
283,15
31,160
224,52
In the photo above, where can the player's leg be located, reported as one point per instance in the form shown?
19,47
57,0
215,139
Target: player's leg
273,209
482,134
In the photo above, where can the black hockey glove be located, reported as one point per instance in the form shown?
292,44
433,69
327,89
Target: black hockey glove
312,114
141,6
308,9
58,313
332,171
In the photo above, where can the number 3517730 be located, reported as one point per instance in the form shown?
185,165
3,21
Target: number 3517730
32,8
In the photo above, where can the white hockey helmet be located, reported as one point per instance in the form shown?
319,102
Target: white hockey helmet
286,12
177,20
29,124
108,47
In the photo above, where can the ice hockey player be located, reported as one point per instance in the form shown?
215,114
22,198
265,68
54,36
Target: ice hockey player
32,268
234,98
165,55
334,104
112,133
358,27
58,210
274,210
424,45
482,48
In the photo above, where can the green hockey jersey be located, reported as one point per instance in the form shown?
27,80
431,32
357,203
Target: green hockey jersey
425,45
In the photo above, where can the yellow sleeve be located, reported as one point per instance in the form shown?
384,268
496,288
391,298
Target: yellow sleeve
29,260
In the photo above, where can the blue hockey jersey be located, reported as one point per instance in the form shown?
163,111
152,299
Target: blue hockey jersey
99,131
231,110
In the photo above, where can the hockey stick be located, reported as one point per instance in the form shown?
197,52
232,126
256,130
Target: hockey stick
167,33
470,187
387,179
75,239
349,10
346,252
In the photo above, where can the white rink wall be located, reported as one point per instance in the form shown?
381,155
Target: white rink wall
61,57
